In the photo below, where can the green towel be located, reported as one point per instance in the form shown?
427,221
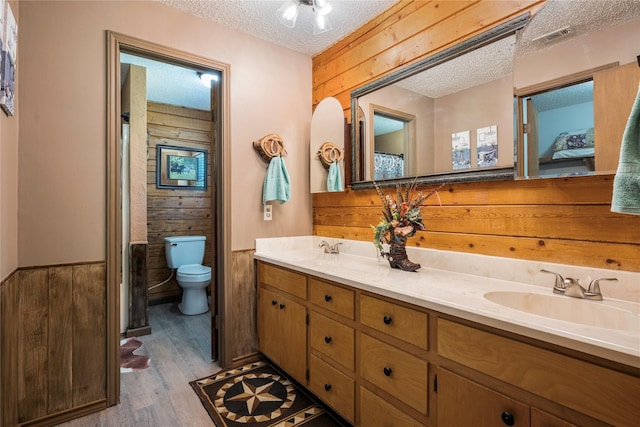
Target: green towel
276,183
626,184
334,181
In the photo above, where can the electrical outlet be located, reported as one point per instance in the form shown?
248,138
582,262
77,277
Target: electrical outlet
268,213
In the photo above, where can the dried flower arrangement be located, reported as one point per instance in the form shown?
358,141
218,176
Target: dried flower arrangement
401,219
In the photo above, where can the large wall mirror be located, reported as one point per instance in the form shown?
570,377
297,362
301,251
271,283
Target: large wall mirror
576,73
447,118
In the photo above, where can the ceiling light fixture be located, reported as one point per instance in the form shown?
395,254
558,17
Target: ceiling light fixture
288,14
207,78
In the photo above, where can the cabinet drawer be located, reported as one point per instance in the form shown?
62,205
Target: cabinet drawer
332,297
332,338
403,323
285,280
605,394
333,387
398,373
377,412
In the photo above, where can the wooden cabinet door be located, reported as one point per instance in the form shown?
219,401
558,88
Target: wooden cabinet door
268,331
292,338
464,403
540,418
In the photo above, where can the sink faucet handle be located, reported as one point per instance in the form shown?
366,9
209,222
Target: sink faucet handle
594,285
560,281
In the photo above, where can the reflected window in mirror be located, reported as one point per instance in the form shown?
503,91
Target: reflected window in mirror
558,136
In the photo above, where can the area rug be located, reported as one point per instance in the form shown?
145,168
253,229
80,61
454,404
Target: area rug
259,395
130,362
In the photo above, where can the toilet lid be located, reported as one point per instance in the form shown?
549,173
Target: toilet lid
194,269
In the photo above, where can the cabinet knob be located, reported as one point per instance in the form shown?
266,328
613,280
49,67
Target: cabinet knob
327,387
327,339
507,418
387,371
327,298
387,320
274,302
281,306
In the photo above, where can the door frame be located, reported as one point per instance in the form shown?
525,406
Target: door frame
221,151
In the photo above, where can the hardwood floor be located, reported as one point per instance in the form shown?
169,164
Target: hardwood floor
180,351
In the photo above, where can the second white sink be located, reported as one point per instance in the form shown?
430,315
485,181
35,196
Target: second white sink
590,313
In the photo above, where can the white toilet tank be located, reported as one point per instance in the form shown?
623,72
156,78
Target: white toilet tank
183,250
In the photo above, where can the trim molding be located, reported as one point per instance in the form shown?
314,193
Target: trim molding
222,195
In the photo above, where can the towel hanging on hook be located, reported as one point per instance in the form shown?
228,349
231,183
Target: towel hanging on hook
329,153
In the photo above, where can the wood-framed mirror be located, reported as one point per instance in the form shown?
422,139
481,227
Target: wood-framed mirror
447,118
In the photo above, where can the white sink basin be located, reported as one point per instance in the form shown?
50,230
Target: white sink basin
585,312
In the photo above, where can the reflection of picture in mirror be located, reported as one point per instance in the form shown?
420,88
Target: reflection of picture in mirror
460,150
182,167
487,143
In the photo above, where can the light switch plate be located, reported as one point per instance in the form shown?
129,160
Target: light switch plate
268,212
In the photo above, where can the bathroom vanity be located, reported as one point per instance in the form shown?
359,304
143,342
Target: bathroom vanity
384,347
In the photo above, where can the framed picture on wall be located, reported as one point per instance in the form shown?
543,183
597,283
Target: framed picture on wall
8,60
181,167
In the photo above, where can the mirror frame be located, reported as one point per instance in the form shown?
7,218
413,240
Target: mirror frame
495,174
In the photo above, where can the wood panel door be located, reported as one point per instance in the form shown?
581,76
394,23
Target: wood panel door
614,89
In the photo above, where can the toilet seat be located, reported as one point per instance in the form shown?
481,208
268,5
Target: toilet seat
193,273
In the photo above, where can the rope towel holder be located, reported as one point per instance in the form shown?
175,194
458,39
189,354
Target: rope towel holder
329,153
270,146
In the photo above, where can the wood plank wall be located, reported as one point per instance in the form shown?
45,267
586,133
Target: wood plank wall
53,342
243,316
565,220
175,212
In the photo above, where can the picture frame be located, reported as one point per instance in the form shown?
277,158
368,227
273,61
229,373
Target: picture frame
181,167
9,45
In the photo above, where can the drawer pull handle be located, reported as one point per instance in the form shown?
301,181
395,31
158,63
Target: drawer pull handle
327,339
281,306
327,298
507,418
327,387
387,320
274,302
387,371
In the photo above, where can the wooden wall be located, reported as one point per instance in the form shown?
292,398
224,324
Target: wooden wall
565,220
175,212
243,316
53,335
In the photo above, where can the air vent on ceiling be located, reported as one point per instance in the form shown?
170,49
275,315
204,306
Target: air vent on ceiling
554,35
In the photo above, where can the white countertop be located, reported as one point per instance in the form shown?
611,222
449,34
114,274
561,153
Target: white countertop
455,283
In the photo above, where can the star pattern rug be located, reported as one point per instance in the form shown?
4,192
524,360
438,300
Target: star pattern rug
259,395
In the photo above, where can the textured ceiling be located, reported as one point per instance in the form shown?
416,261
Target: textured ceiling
479,66
258,18
582,16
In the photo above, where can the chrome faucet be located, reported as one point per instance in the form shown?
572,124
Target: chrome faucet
572,288
328,249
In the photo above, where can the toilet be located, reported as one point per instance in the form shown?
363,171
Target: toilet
186,253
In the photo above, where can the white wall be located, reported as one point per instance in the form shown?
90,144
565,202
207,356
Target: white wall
62,162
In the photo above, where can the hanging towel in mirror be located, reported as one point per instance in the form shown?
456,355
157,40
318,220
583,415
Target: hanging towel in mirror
626,184
334,180
276,183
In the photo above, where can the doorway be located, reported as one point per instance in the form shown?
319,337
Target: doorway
220,243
